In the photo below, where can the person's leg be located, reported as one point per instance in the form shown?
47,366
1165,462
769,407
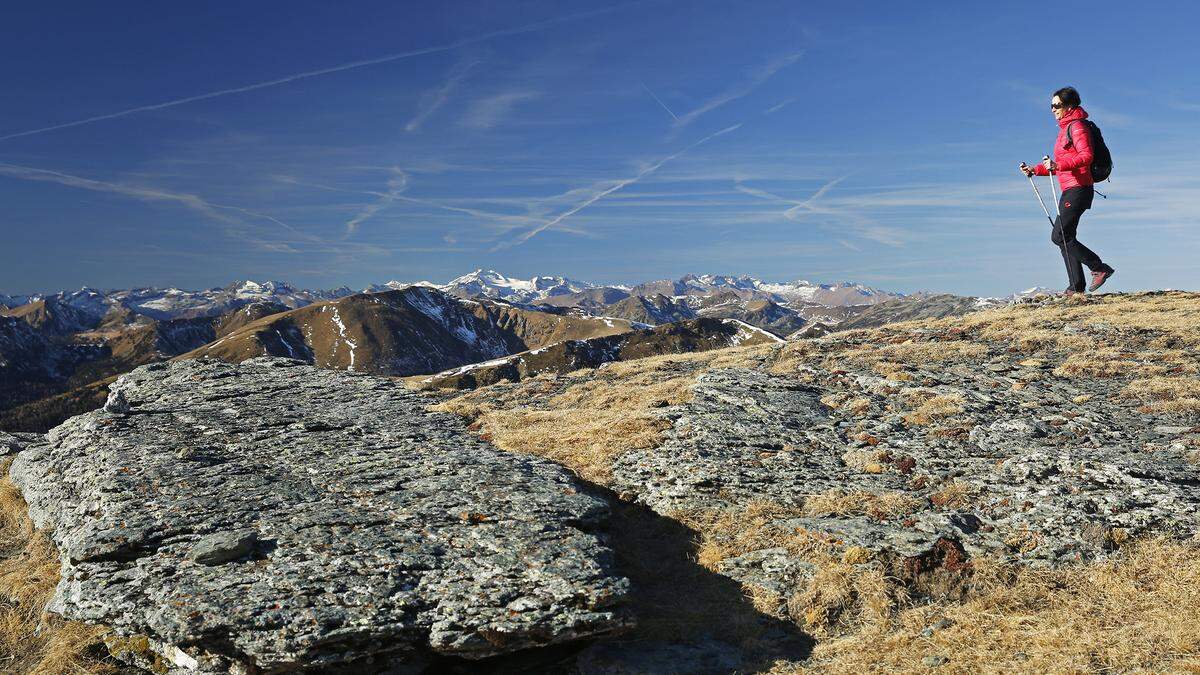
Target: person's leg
1074,269
1073,203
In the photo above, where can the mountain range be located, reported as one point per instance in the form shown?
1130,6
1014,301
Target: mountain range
174,303
59,351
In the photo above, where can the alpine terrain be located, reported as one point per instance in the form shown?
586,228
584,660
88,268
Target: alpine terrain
1015,489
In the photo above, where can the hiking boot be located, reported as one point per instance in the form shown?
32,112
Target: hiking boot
1098,278
1071,291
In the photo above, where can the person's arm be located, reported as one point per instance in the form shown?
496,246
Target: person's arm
1081,138
1040,169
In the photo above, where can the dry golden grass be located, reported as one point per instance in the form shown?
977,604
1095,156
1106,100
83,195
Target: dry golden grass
1162,322
32,641
884,506
933,408
916,353
600,414
857,406
850,588
1137,612
953,495
1179,395
865,460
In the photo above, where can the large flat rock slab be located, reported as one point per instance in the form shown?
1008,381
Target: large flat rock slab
271,516
1019,482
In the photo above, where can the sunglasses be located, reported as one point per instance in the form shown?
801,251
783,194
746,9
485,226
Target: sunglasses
1056,106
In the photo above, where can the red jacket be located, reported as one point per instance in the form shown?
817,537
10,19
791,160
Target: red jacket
1074,157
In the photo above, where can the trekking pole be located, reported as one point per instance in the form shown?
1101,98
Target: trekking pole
1038,192
1053,189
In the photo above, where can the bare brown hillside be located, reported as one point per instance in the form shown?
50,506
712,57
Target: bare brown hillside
404,332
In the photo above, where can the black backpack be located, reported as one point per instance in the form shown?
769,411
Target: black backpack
1101,157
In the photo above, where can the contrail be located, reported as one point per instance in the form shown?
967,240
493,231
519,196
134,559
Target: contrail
664,105
608,191
523,220
191,201
533,27
808,203
792,213
854,222
738,90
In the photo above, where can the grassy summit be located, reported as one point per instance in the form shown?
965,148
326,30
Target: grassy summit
1129,358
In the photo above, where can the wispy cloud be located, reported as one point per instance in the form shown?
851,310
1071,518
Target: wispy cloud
528,28
1185,106
431,101
608,188
487,112
146,194
395,185
755,79
660,102
849,217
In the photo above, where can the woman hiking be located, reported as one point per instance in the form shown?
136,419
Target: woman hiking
1072,163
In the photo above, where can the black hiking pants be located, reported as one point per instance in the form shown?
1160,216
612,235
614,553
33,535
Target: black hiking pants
1071,206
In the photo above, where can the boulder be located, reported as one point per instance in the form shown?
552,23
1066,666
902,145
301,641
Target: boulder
270,516
9,444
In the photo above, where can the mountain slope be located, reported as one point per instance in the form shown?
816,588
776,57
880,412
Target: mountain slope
696,335
765,314
910,309
46,378
54,316
649,309
404,332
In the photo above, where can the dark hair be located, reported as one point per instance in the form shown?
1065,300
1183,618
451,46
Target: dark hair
1068,96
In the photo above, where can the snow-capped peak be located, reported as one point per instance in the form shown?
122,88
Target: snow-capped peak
492,284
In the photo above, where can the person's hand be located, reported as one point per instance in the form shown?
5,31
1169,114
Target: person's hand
1026,169
1050,164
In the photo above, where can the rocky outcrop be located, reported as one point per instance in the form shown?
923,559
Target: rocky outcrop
912,309
1034,479
11,444
271,516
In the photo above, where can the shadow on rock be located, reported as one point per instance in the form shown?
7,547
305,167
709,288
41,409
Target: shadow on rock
689,619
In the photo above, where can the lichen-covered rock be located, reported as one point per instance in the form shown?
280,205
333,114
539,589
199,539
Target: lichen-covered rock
273,516
9,444
1021,483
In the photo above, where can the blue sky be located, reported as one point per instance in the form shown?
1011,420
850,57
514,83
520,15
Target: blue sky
325,144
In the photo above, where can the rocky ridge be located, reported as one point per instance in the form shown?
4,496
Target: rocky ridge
870,471
270,516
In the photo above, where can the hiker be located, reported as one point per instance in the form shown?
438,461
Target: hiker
1072,164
